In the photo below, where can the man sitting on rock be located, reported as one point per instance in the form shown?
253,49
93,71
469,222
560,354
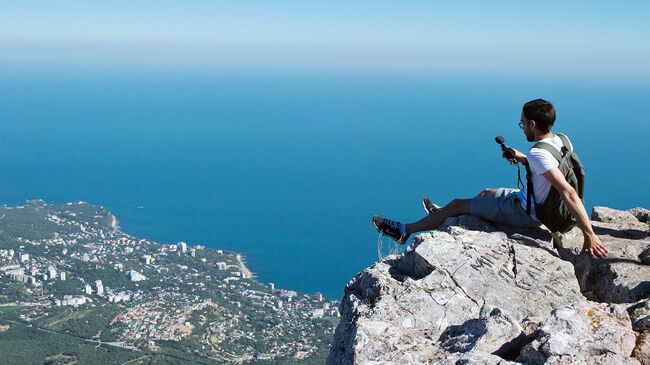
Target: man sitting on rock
509,206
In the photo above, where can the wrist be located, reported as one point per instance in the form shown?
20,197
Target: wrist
589,232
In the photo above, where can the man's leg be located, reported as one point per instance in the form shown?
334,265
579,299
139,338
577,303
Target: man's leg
401,232
455,208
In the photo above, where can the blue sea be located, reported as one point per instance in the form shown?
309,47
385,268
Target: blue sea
288,167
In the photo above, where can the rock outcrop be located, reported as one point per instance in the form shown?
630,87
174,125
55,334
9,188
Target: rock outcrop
473,293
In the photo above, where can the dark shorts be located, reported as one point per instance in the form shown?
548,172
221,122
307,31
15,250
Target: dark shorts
504,207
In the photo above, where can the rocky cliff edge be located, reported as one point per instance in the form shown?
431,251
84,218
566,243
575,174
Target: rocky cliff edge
474,293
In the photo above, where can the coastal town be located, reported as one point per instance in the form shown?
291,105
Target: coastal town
69,269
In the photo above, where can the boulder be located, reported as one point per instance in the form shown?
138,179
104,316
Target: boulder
642,214
582,333
644,256
475,293
494,332
623,276
640,314
405,304
605,214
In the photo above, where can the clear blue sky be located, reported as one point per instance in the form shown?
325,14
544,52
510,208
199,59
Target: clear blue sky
599,36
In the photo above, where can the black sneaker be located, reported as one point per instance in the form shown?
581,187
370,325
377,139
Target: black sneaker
390,228
428,206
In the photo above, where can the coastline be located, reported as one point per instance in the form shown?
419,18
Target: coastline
246,273
115,225
75,253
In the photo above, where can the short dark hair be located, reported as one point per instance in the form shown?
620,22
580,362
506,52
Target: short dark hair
542,112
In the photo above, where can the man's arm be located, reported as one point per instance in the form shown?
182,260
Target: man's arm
514,157
592,243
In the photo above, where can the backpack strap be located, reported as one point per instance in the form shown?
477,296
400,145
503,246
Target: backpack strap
565,142
548,147
530,193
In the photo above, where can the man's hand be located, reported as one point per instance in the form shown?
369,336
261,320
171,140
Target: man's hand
512,155
593,245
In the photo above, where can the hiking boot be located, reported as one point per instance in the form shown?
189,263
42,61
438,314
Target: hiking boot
389,228
428,206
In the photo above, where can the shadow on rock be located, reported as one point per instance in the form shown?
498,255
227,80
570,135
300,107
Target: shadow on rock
493,332
633,234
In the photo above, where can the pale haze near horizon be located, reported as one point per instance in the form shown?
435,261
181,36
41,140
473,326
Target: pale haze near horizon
505,36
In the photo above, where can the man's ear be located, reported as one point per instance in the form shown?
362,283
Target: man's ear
532,124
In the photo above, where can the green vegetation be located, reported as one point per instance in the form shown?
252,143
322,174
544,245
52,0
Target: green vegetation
86,323
24,345
11,291
10,313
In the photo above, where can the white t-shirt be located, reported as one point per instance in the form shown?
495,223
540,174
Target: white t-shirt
540,162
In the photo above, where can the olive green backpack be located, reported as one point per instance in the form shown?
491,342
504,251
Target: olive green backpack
553,212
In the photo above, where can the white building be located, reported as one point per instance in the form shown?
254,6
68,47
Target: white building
192,252
287,294
51,273
136,276
272,286
119,297
317,313
73,300
221,266
62,276
16,274
146,259
22,257
182,246
9,267
88,289
100,287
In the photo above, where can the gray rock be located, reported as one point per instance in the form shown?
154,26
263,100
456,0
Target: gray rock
494,332
621,277
374,326
642,350
604,214
642,214
582,333
473,358
644,256
477,293
640,314
445,279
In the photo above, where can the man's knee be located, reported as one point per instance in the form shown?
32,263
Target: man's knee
460,206
485,193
